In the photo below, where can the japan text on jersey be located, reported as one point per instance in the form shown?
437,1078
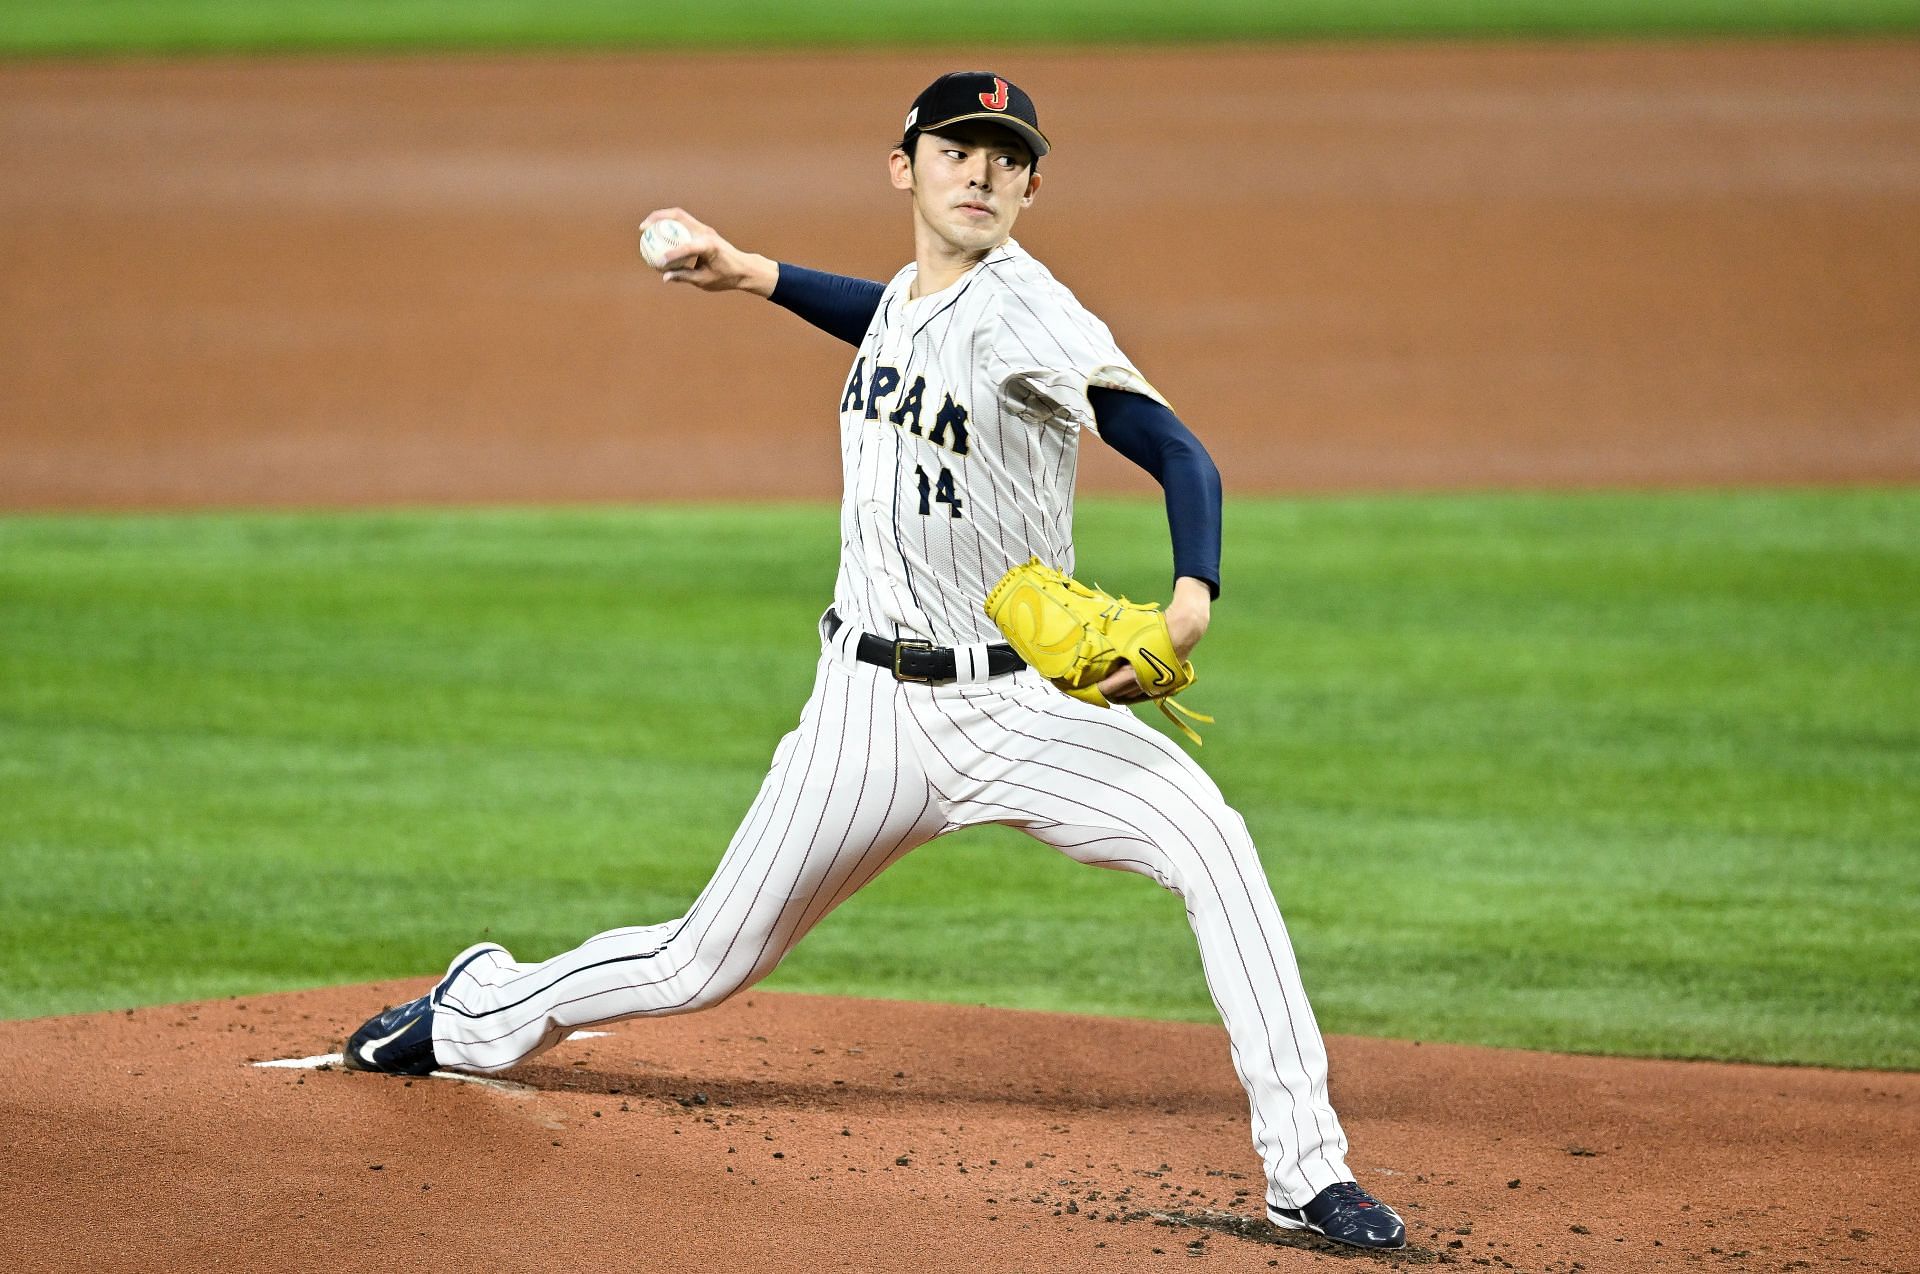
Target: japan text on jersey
959,441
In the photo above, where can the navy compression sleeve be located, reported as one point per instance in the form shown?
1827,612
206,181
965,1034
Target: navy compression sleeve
1149,434
834,303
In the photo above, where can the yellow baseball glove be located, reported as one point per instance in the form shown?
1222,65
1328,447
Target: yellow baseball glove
1076,637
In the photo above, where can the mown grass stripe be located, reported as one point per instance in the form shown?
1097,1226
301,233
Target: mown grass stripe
1612,772
51,27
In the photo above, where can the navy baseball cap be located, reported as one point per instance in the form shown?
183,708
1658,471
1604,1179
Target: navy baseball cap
982,95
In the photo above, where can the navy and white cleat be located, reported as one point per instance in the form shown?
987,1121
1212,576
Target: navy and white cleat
1346,1214
399,1041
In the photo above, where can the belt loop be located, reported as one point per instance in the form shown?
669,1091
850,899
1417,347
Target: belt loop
845,642
970,664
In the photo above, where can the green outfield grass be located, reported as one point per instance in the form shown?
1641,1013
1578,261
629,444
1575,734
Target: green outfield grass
1615,773
116,26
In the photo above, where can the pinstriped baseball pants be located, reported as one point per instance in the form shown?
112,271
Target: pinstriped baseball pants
877,767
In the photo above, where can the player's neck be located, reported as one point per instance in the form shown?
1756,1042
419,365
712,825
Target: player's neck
940,264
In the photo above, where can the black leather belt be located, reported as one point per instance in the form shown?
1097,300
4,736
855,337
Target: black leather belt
922,661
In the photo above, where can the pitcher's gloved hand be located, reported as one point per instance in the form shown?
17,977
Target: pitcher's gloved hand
1076,637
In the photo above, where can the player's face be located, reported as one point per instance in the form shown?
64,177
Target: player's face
968,184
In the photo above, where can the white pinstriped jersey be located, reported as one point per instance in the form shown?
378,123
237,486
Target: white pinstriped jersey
960,427
959,437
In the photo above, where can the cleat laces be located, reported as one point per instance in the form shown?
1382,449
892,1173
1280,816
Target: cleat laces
1349,1194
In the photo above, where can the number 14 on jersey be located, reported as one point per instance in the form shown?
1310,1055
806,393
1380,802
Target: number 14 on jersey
939,489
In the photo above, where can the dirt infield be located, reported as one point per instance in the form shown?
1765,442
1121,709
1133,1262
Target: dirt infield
797,1133
338,281
346,282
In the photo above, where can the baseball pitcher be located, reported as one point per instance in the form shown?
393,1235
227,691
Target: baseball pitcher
964,676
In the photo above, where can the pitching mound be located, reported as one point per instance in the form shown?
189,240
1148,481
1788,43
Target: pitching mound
798,1133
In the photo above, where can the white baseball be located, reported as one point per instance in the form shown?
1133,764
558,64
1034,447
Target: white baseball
661,241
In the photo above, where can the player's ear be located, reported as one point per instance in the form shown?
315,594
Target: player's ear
900,169
1033,188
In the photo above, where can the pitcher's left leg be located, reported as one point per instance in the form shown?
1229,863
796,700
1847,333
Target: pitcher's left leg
1106,790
